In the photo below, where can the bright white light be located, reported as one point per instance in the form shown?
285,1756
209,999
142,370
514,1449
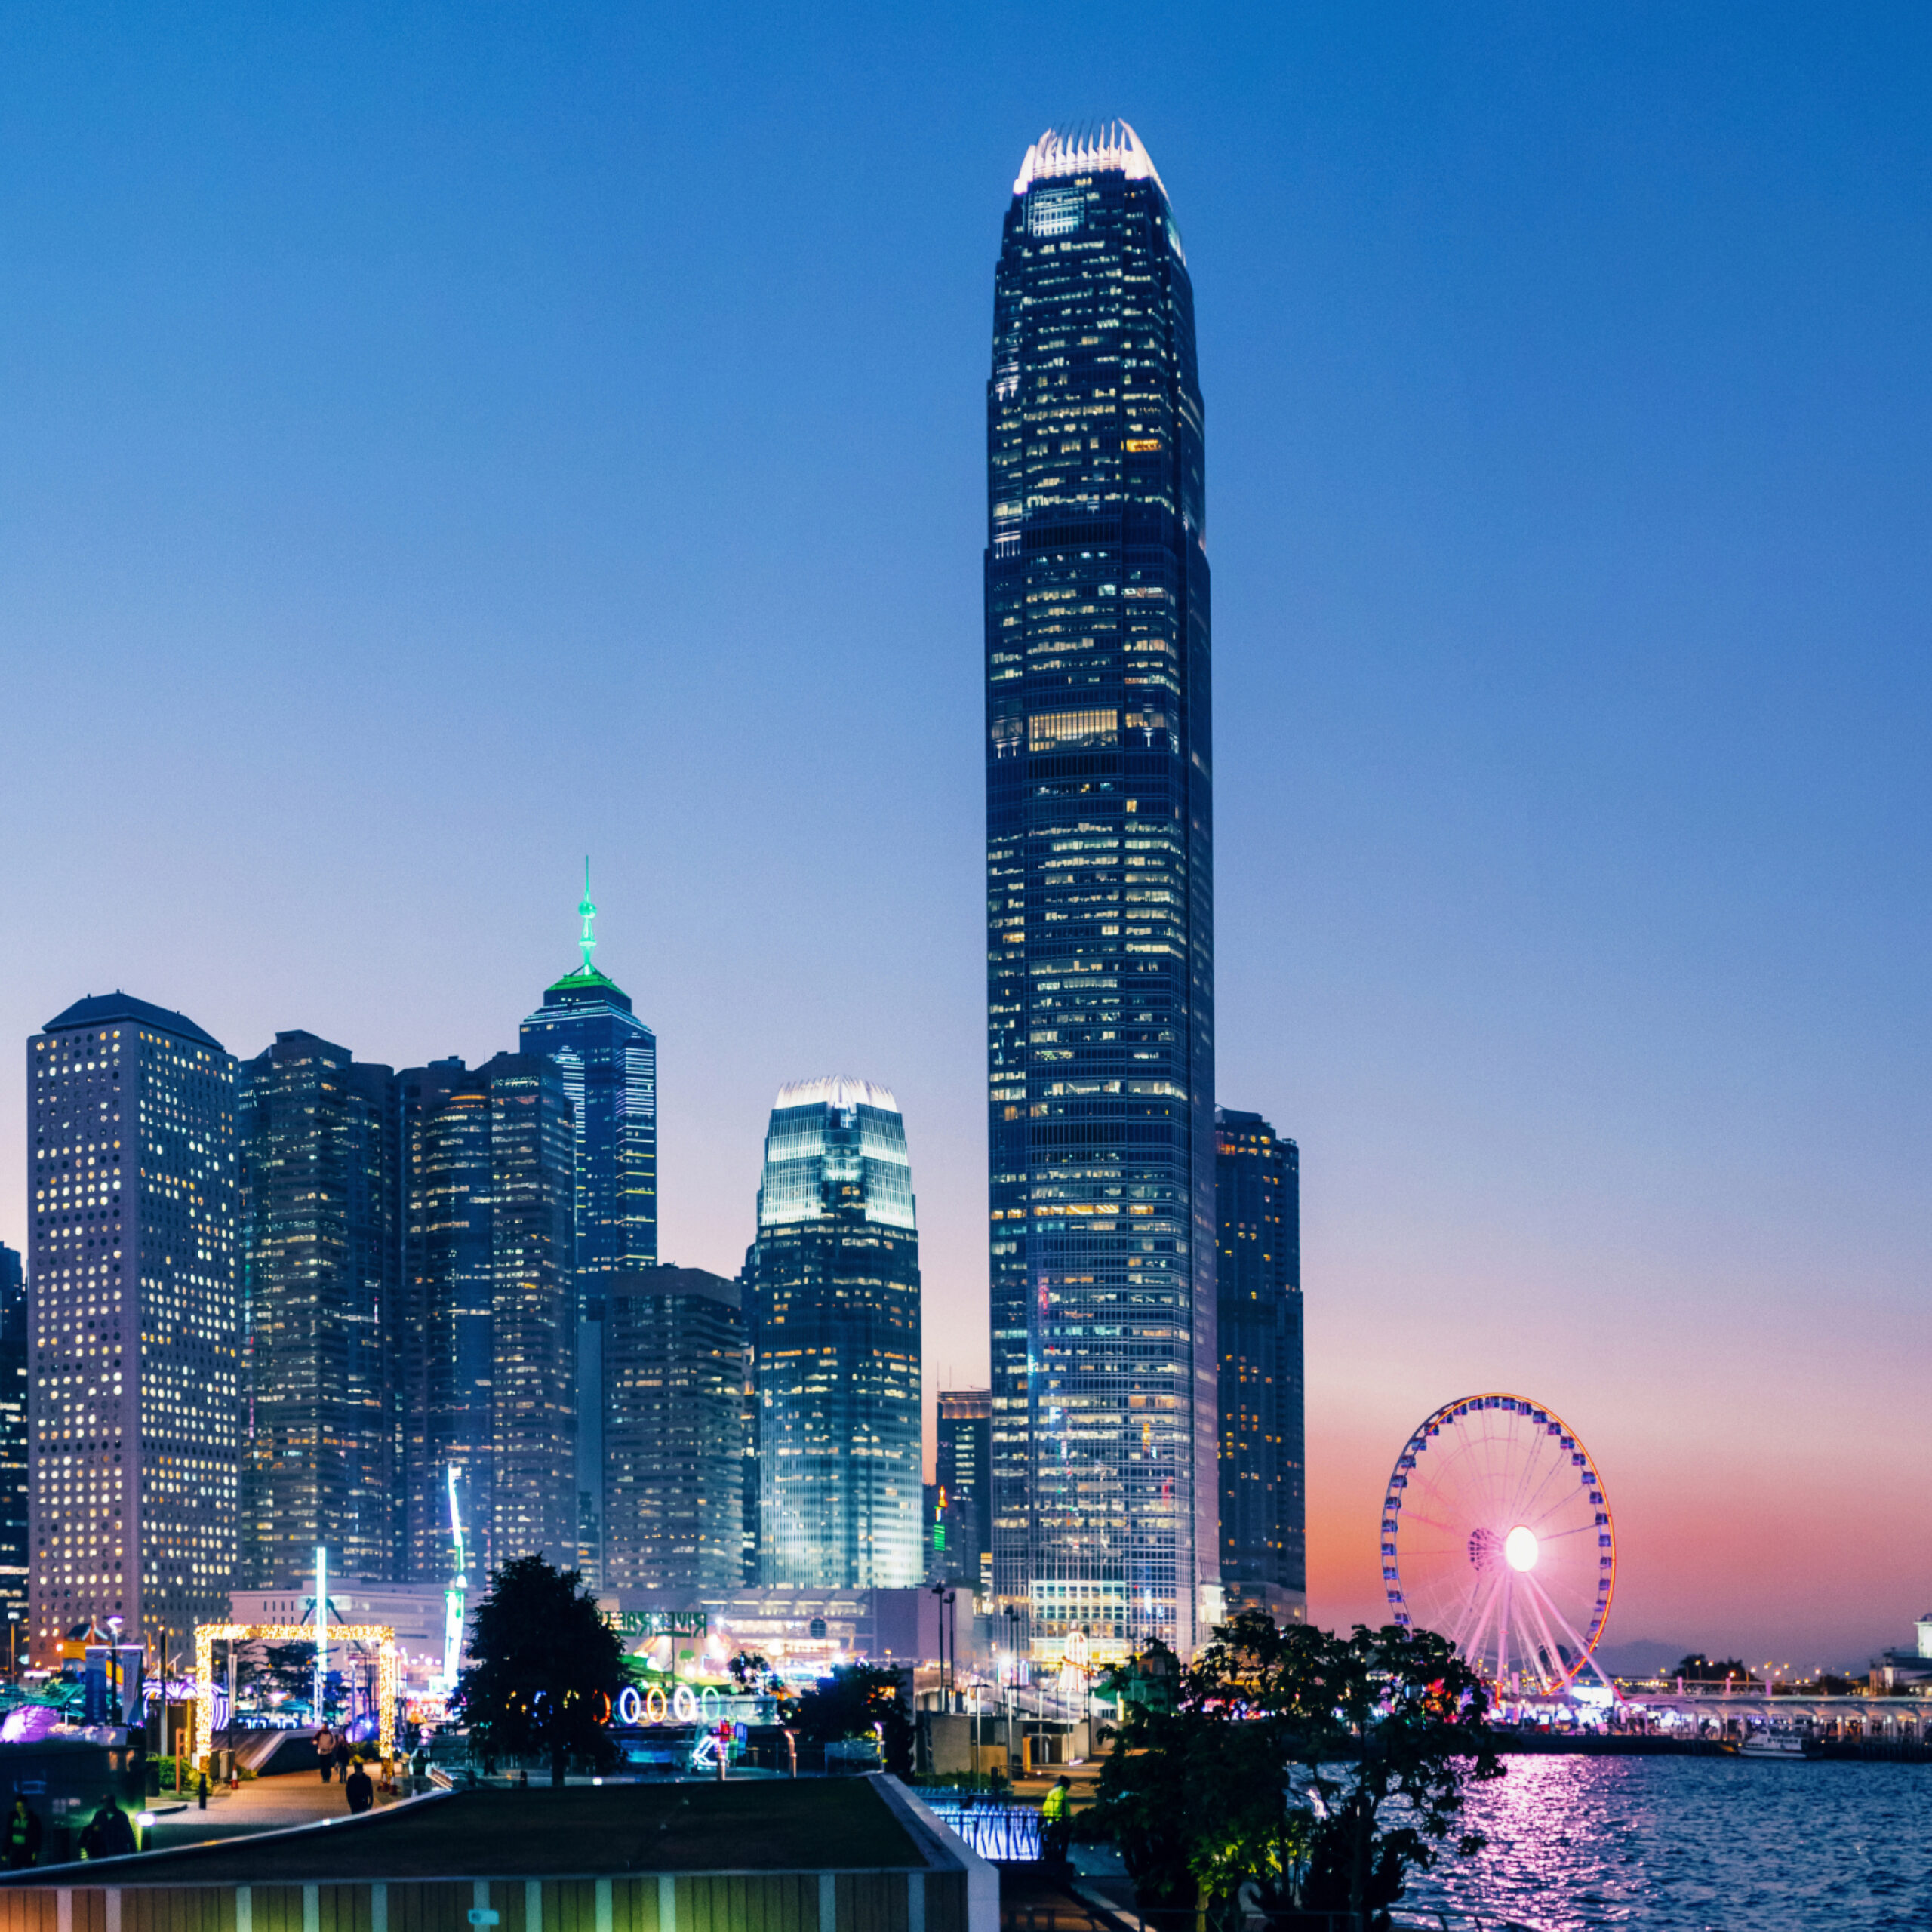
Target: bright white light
1520,1547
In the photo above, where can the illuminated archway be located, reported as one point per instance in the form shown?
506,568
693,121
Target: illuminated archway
388,1670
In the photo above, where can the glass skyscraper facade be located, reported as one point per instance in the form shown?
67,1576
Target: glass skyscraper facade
674,1431
319,1137
490,1370
133,1398
608,1058
962,1526
1100,910
1258,1200
834,1280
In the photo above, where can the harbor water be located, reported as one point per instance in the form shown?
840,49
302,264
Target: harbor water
1696,1844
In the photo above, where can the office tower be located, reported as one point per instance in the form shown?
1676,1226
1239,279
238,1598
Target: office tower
674,1431
608,1060
965,1551
1257,1204
1100,972
134,1409
14,1450
318,1135
835,1275
489,1389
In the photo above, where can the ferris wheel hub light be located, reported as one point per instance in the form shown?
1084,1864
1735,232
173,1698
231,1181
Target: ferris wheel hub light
1519,1546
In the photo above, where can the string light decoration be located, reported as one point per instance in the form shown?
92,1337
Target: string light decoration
388,1675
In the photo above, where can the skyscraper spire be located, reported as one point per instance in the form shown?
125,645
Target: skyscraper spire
587,913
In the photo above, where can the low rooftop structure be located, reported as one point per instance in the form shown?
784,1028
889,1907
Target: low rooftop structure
769,1855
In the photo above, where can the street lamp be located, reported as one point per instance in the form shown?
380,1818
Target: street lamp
1011,1674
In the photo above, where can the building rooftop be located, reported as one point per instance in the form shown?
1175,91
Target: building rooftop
836,1089
1111,144
666,1278
753,1826
102,1009
584,987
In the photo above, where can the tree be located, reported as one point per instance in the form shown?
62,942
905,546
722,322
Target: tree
1698,1669
1196,1796
750,1671
544,1667
288,1668
857,1700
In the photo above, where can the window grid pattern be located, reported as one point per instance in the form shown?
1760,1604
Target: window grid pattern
133,1325
1099,913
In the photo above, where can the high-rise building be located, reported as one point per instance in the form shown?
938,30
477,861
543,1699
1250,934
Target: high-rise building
489,1389
13,1449
1257,1202
134,1405
608,1060
443,1346
1100,974
964,1553
834,1276
319,1137
675,1356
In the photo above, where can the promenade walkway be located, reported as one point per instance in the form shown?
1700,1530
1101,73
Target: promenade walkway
261,1804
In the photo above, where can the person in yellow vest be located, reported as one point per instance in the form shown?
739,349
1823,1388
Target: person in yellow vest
1057,1823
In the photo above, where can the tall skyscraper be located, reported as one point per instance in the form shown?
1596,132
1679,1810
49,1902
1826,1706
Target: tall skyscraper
444,1345
1258,1200
491,1389
319,1136
134,1402
13,1447
1100,972
674,1431
965,1525
608,1060
835,1275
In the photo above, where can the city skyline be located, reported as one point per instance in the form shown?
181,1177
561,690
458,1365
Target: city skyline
1568,403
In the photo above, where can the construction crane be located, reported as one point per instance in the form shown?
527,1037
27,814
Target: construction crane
454,1597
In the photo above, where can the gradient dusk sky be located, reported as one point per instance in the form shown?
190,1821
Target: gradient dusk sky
442,441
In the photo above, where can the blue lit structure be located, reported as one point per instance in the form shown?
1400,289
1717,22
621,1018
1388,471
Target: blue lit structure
608,1060
834,1277
1100,947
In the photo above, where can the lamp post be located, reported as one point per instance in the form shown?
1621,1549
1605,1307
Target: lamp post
938,1601
1012,1674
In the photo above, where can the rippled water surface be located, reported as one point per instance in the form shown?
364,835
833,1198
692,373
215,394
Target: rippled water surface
1675,1844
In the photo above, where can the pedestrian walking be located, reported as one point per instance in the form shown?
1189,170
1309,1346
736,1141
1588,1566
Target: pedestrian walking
342,1754
23,1836
325,1751
360,1787
201,1790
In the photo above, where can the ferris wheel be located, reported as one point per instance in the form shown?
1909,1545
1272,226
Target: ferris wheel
1496,1535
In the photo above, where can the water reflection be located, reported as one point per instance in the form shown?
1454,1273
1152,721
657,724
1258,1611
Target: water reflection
1684,1844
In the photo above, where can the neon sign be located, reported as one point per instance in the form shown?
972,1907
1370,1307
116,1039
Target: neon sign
658,1622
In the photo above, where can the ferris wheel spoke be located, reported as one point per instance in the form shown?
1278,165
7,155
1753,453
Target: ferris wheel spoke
1586,1650
1530,1491
1554,1672
1551,1473
1557,1536
1476,1616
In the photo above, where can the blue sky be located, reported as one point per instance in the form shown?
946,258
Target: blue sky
441,441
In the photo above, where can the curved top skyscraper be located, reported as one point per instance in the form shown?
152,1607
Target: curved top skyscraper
834,1277
1100,949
